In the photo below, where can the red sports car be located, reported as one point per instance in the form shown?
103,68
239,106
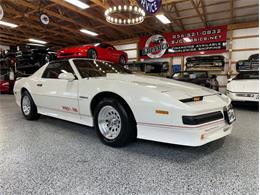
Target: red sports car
101,51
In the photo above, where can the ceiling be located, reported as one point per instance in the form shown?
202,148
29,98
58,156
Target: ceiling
66,20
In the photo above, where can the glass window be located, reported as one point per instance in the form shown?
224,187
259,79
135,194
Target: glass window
54,69
93,68
103,45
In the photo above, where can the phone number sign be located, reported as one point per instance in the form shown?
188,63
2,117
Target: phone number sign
209,40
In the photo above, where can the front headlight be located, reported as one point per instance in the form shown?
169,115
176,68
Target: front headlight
218,64
245,94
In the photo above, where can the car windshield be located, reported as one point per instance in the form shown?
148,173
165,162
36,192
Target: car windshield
248,75
94,68
190,75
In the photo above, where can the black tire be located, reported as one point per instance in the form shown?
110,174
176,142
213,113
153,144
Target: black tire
33,113
122,60
92,54
128,125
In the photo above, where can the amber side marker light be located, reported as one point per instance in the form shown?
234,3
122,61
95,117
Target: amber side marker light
197,99
161,112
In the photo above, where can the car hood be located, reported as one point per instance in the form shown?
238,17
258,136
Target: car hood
244,85
178,89
74,49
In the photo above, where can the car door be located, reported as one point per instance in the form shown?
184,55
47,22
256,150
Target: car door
57,96
113,54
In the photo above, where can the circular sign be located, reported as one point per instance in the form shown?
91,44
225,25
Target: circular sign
150,6
1,12
44,19
156,46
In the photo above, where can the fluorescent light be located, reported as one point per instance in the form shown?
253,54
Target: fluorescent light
37,41
8,24
163,19
89,32
187,39
78,4
35,44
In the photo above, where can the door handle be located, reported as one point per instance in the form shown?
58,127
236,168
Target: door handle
39,85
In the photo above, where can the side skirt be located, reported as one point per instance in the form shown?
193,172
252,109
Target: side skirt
76,118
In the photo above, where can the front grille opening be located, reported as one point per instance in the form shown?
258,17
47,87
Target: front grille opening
203,118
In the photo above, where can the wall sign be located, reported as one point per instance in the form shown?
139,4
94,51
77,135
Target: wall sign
207,40
150,6
44,19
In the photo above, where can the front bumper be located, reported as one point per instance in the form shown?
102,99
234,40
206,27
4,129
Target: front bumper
235,96
195,135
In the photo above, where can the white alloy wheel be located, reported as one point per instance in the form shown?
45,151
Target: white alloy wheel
26,105
109,122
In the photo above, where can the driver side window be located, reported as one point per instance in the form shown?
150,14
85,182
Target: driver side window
54,69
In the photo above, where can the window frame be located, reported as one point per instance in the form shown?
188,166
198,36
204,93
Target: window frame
55,62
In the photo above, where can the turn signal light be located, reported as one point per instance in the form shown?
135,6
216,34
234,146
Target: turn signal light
195,99
161,112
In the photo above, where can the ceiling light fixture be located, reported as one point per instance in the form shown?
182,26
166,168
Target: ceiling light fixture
88,32
78,4
187,39
134,15
37,41
8,24
163,19
35,44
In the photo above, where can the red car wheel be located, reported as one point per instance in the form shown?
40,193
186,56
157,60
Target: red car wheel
92,54
122,60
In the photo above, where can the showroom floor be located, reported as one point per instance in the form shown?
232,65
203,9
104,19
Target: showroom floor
57,157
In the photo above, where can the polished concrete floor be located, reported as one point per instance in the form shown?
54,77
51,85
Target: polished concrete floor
51,156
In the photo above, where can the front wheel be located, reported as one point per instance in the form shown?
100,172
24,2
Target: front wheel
28,107
114,125
122,60
92,54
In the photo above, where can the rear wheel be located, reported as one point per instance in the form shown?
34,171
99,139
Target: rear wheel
28,107
114,125
92,54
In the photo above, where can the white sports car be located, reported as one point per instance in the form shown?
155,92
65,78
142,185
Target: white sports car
244,87
123,106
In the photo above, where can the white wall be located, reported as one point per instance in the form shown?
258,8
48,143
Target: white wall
238,44
130,49
4,47
244,43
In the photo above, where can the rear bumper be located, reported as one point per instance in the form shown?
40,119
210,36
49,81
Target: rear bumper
195,135
234,97
5,87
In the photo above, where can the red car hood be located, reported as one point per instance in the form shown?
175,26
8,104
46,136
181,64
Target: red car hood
74,49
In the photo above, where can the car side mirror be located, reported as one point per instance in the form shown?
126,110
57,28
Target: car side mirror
66,76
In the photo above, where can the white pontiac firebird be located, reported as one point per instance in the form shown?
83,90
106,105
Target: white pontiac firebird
123,106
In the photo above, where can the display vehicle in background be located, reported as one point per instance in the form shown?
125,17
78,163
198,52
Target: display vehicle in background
244,87
7,65
33,58
197,77
101,51
205,62
123,106
251,64
6,83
